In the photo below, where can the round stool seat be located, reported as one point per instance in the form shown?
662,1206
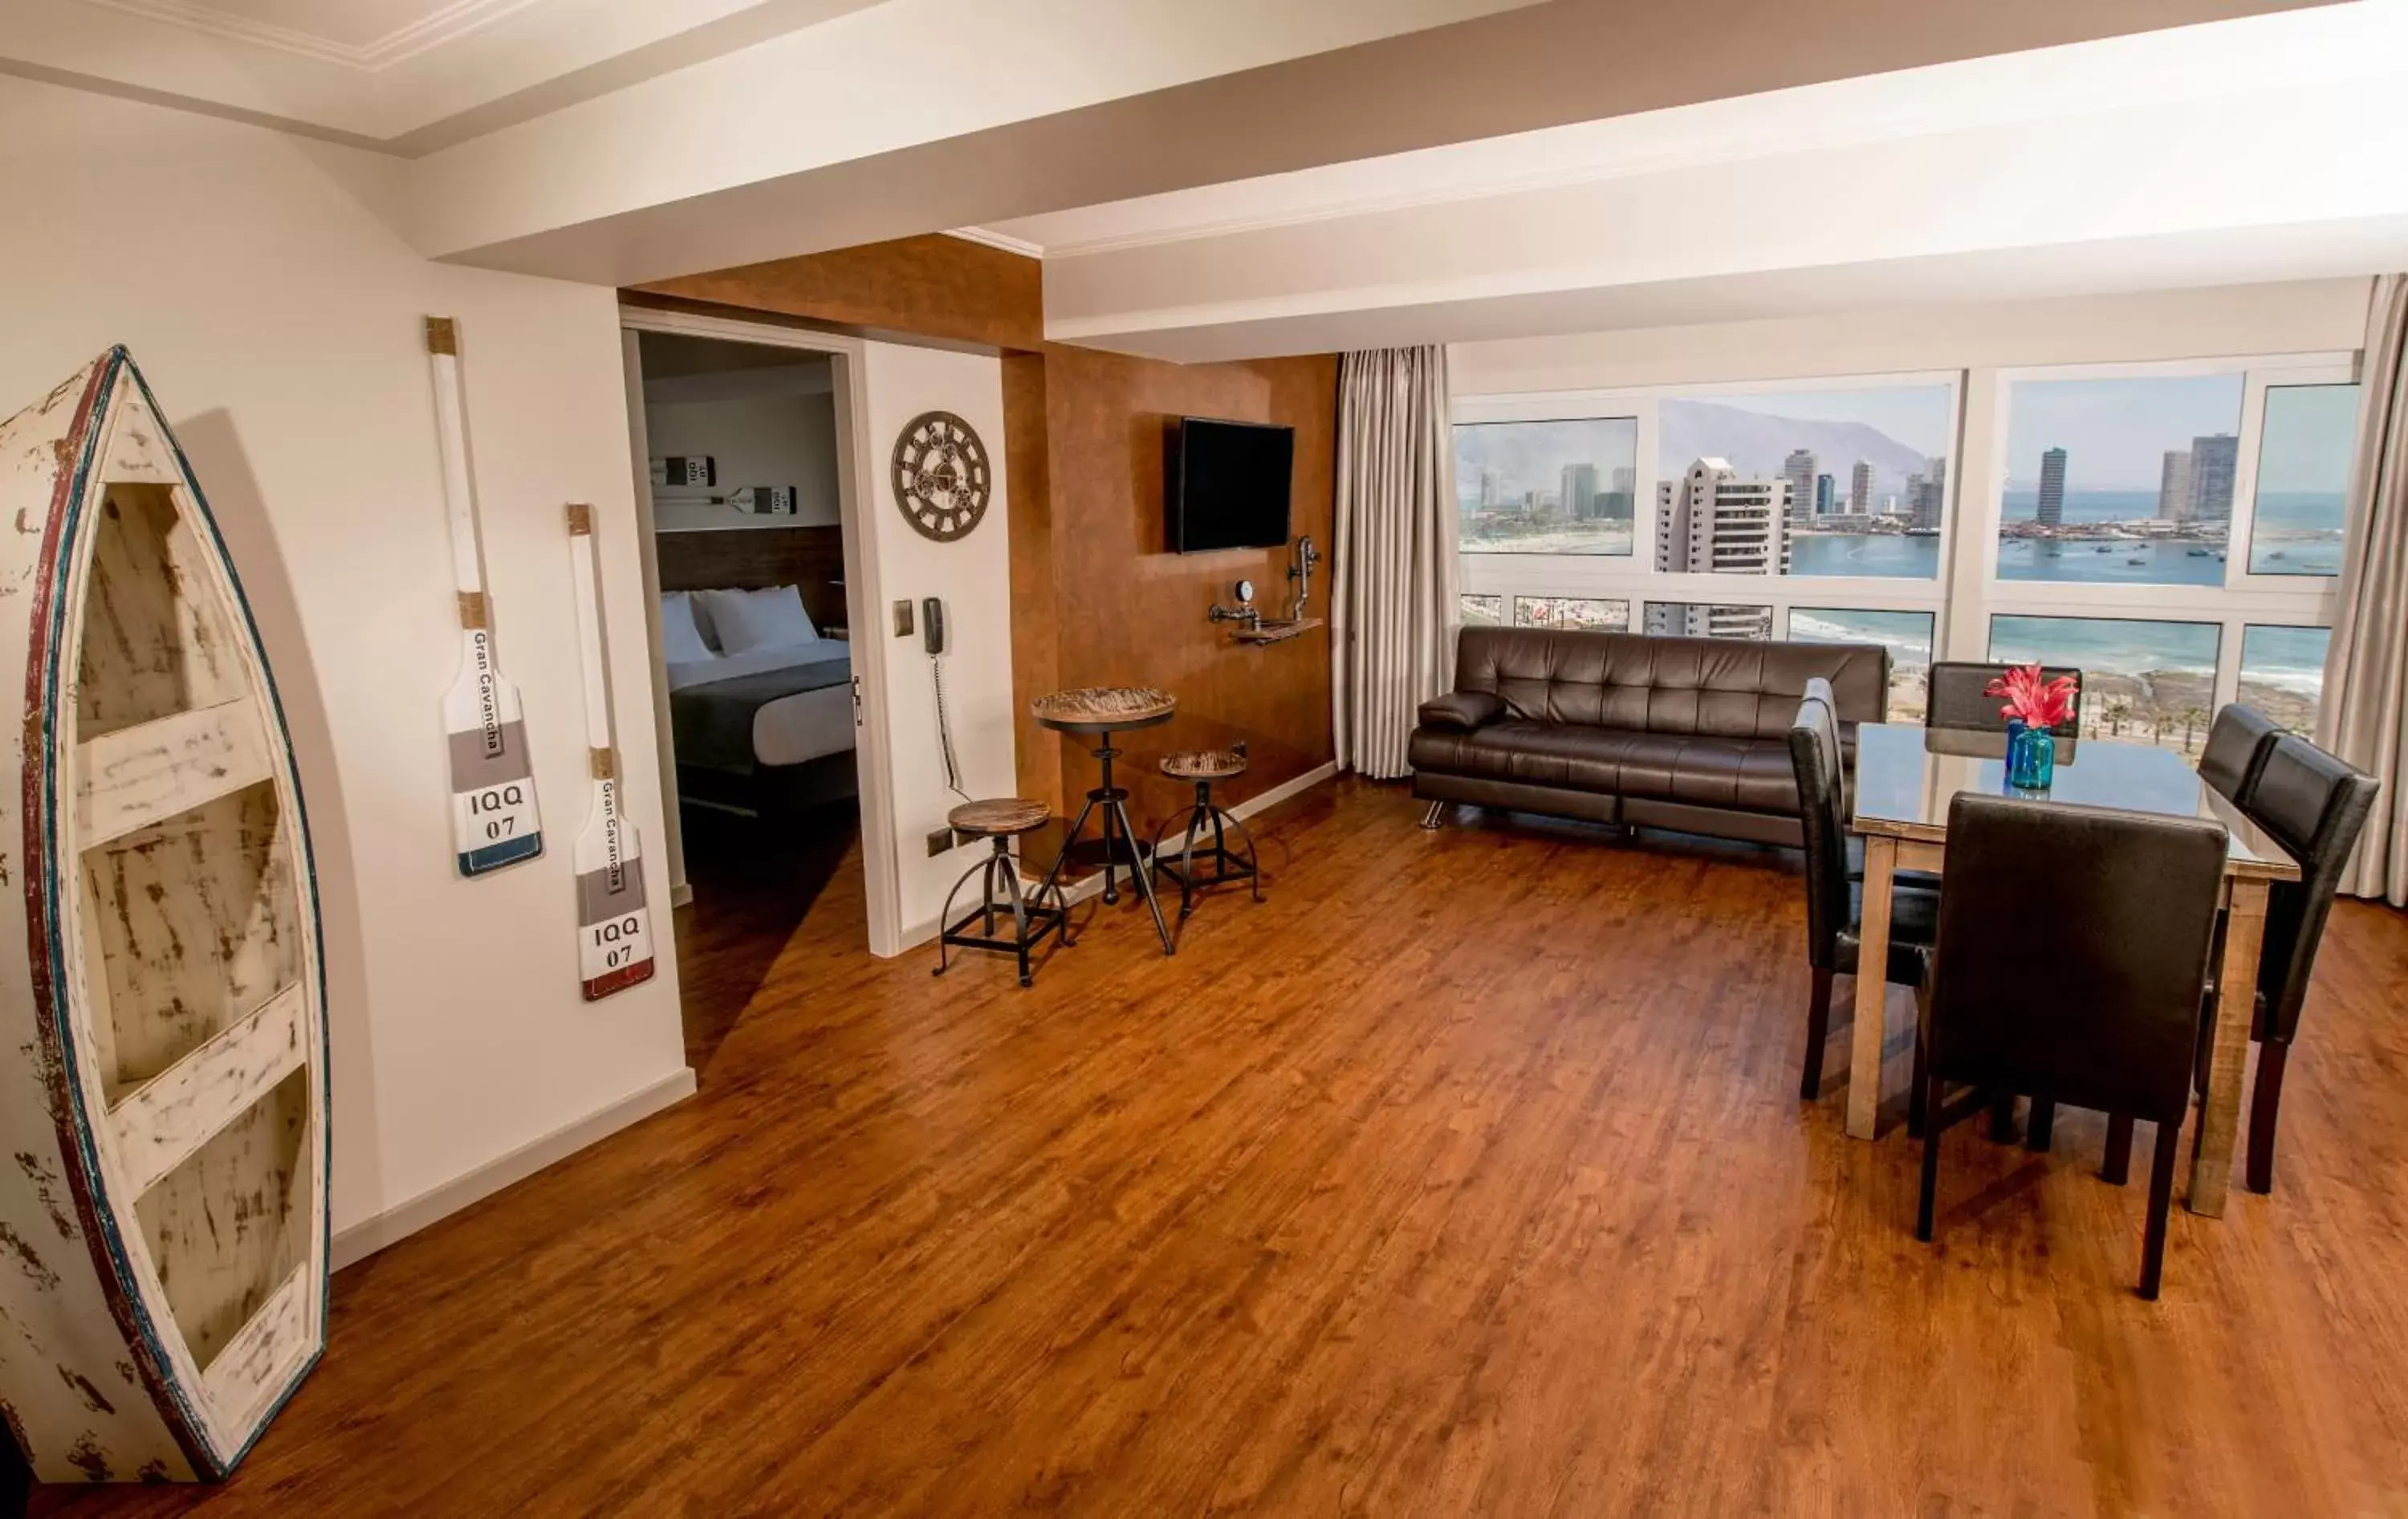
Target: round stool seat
1204,765
995,816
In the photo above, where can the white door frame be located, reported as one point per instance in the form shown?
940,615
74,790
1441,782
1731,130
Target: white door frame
863,592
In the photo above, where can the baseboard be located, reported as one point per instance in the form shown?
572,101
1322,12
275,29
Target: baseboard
396,1223
1284,790
924,932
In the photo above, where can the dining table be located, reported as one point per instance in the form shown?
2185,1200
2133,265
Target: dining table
1906,775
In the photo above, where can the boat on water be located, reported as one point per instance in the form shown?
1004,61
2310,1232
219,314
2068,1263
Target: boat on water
163,1031
2138,559
2197,553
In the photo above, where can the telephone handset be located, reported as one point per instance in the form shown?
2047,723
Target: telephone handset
932,637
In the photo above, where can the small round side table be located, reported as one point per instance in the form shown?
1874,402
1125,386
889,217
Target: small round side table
1099,712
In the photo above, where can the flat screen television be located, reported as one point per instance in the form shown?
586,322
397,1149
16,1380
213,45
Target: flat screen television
1225,485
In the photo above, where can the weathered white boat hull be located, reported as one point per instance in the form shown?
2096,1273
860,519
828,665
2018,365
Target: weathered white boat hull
162,1056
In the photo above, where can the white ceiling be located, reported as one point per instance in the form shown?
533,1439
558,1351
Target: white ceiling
1266,176
351,30
2265,148
406,77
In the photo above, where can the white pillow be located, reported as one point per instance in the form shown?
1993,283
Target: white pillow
681,642
771,618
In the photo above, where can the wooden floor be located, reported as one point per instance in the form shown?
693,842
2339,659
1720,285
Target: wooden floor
1464,1176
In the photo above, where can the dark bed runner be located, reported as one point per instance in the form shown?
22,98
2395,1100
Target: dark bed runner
713,723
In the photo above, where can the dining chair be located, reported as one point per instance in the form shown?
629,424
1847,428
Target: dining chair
2314,805
2071,962
1956,695
2238,742
1834,912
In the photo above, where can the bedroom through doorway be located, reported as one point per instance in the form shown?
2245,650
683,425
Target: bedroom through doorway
741,453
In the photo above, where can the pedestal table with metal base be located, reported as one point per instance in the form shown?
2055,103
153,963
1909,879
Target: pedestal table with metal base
1099,712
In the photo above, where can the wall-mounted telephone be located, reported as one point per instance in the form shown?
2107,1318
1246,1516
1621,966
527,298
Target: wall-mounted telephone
932,637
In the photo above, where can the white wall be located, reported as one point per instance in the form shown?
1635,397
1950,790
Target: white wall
784,439
973,576
278,319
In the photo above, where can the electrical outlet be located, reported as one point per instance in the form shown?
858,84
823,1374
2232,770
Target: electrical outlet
939,840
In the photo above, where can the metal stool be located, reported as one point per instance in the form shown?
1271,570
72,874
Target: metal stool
1003,820
1184,866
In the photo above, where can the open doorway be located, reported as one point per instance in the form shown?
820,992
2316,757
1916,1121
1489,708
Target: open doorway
743,477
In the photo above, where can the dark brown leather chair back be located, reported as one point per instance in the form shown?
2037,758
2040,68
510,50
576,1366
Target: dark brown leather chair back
2237,743
1814,755
2315,806
1957,698
2072,957
1710,687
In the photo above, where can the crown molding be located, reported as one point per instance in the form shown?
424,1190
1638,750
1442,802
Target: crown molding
998,240
450,23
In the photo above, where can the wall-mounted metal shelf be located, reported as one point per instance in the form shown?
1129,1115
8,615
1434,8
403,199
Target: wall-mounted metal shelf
1275,632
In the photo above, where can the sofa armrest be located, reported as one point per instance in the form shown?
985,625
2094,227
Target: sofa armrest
1461,712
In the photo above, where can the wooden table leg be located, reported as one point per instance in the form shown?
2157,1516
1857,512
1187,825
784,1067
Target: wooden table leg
2236,997
1872,989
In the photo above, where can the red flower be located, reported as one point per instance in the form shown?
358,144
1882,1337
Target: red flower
2041,704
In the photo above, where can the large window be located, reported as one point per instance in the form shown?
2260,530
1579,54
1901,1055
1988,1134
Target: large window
2172,529
2283,673
1566,487
2144,681
1593,614
1906,635
2303,458
1483,611
1832,482
1707,620
2121,481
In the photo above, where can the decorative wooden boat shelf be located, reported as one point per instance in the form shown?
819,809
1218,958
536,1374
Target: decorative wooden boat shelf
1275,632
162,1013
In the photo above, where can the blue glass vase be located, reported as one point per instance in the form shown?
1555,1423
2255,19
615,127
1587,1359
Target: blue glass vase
2031,756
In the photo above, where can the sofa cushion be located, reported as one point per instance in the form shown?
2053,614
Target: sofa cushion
1715,687
1750,775
1461,712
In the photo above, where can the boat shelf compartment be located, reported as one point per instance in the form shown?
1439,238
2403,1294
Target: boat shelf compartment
229,1226
189,927
155,638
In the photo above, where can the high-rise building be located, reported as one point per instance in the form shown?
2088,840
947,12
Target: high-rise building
1492,489
1580,492
1798,471
2051,487
1823,493
1926,494
1715,521
1860,488
2174,487
2213,461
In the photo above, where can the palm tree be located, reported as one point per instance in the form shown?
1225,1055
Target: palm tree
2191,719
2119,711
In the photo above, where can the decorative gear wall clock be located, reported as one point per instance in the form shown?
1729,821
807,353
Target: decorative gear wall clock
941,478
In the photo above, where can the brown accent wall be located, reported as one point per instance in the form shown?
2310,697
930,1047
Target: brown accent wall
1127,612
933,286
1097,600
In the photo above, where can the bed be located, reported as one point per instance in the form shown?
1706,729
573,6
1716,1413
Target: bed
765,730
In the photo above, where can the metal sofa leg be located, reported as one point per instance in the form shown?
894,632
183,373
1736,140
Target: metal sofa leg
1431,814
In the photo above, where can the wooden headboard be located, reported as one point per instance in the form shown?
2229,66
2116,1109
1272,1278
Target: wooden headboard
748,557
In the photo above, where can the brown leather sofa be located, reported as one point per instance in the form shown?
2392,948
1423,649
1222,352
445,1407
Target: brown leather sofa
1691,734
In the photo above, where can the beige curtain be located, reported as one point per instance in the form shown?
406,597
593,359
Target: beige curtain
1393,603
2364,717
